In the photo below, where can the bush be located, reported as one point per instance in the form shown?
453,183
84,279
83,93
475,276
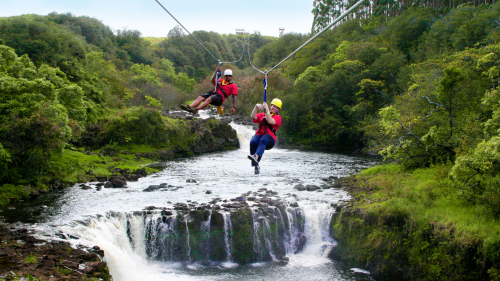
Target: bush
138,125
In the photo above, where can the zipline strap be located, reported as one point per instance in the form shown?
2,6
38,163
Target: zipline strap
217,75
323,30
265,86
187,30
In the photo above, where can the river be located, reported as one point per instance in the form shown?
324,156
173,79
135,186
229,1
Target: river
110,219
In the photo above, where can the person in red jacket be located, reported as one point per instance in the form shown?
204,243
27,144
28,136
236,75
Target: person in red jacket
225,88
265,137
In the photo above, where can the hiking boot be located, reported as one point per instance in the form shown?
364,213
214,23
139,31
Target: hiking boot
254,158
194,111
186,108
257,170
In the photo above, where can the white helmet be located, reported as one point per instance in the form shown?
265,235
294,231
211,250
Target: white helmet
228,72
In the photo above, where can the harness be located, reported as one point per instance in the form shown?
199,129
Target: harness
222,89
261,126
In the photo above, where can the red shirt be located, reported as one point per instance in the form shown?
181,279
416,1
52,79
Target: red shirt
259,118
229,89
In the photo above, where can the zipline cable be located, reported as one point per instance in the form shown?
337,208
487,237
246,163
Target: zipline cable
187,30
218,60
249,60
307,42
242,52
323,30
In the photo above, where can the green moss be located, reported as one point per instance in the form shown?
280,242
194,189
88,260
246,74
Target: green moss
243,236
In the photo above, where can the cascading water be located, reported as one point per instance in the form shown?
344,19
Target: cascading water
228,236
283,235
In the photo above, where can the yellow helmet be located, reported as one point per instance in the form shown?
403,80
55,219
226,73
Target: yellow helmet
277,102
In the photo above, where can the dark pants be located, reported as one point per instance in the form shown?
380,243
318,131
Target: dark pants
258,144
216,98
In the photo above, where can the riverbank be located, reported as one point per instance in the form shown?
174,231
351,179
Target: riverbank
84,161
414,225
23,257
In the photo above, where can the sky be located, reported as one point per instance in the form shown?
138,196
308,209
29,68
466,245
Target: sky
148,17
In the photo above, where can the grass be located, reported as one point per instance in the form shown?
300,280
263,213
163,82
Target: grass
75,166
31,259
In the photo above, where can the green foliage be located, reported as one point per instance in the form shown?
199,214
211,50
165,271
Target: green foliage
144,74
136,48
405,30
10,192
4,157
136,125
43,42
272,53
478,174
154,102
36,110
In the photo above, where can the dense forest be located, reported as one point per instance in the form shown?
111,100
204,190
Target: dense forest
418,86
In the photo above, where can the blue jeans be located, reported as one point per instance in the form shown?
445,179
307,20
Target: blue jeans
258,144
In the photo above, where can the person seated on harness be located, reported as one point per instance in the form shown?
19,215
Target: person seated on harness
265,136
224,88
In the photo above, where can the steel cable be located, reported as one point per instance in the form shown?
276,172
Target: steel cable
319,33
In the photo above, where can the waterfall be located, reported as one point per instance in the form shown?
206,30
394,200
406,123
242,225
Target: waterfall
286,233
319,244
205,242
228,236
186,218
257,245
162,237
267,237
293,231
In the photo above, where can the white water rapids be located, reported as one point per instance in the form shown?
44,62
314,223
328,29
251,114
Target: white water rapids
226,175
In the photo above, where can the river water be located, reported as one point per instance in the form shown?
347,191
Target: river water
110,223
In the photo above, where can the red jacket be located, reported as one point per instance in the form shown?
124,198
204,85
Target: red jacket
229,89
264,129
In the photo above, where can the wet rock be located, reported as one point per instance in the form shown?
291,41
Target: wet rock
180,206
299,187
86,187
141,172
101,178
310,187
208,192
151,188
191,180
133,177
117,183
47,259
